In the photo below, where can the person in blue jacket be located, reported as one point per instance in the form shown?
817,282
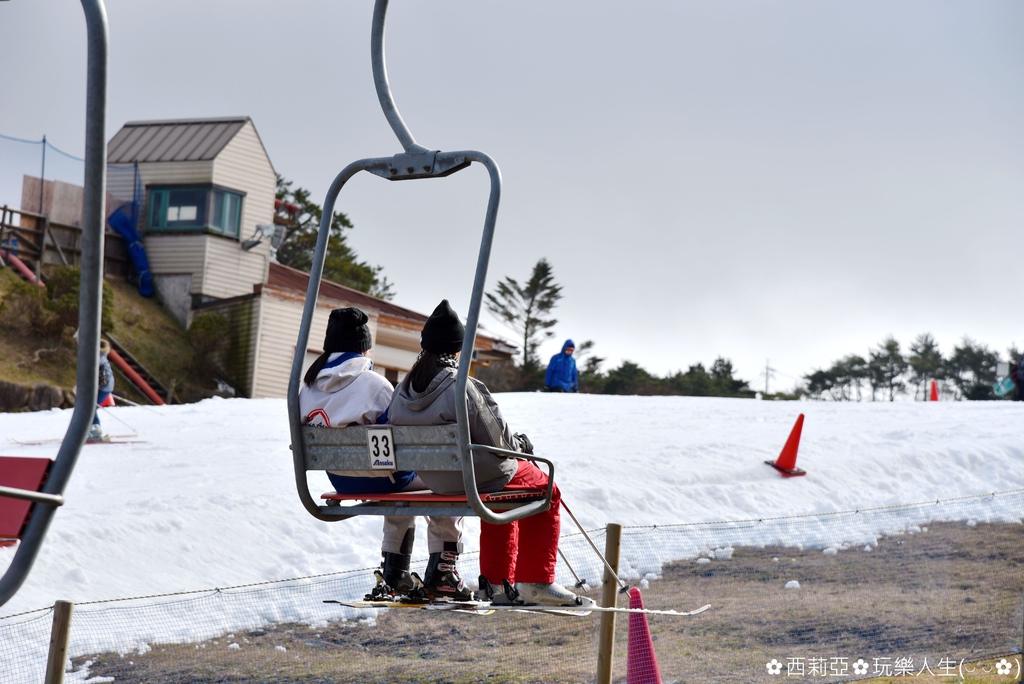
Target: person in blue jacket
1018,380
562,375
104,388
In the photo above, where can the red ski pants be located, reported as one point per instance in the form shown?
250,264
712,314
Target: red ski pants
523,550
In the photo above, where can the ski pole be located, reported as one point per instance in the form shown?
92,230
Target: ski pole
581,583
111,414
124,400
623,586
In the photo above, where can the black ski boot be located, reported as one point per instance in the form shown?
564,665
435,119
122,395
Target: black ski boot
503,595
394,580
442,579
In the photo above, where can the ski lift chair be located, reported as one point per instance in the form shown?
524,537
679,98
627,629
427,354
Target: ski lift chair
384,447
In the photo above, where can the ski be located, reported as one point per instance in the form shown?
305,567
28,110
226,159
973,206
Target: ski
378,604
126,439
487,608
580,611
118,440
434,605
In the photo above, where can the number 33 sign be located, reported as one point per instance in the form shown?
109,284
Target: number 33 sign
381,448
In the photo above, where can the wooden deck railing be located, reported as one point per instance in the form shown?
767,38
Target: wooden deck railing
35,239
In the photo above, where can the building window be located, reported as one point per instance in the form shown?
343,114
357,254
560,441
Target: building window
203,209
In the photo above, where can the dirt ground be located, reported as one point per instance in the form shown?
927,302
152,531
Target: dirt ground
912,607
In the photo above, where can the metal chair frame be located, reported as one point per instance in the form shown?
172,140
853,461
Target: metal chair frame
415,162
51,494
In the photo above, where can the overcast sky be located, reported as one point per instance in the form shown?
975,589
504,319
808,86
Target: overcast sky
785,181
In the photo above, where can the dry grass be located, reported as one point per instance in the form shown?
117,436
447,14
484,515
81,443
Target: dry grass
404,647
141,324
952,591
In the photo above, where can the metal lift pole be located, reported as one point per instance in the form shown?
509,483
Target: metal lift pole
89,311
380,81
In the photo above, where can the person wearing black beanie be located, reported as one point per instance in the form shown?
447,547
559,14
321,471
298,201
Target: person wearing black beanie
443,332
524,552
342,389
347,331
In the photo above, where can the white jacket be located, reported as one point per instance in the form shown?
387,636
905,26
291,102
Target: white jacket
345,394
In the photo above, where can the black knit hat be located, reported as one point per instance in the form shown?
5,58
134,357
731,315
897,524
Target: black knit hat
443,331
347,331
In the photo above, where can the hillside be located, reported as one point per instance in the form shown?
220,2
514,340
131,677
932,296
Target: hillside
139,324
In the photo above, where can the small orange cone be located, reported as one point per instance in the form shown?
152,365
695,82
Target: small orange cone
786,462
109,401
934,396
641,665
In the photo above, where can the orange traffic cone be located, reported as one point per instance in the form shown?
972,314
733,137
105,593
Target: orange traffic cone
786,462
641,665
934,396
109,401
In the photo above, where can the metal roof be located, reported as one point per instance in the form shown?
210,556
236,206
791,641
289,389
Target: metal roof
293,279
175,140
289,278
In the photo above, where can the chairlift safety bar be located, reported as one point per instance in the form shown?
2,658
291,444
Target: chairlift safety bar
419,448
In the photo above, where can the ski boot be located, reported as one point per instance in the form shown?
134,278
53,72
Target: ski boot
394,581
442,580
503,595
550,594
95,435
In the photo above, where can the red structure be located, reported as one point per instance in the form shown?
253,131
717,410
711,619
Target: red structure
641,664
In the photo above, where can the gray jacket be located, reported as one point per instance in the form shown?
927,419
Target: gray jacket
436,406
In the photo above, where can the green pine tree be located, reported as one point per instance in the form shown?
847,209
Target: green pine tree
886,366
302,226
925,363
971,367
526,309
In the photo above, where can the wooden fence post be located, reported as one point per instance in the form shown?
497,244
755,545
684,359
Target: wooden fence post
3,233
60,633
53,239
609,594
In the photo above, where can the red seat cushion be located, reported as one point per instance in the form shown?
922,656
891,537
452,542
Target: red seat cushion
430,497
21,473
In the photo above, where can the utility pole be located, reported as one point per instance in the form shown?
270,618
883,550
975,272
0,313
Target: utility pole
42,181
768,370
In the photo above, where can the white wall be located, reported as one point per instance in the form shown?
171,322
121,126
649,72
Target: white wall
219,266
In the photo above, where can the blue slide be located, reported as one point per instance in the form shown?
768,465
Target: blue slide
123,221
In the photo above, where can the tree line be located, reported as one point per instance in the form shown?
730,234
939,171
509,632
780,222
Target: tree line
968,372
526,307
697,381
